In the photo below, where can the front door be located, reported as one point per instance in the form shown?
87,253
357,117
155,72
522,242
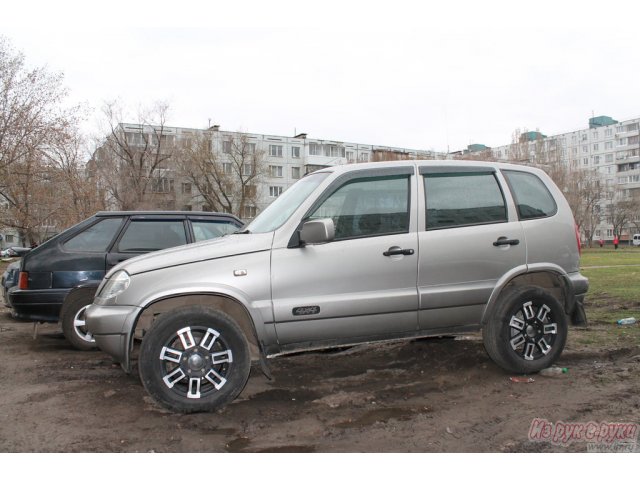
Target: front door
363,284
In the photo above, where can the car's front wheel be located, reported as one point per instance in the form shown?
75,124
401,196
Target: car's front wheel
194,359
527,332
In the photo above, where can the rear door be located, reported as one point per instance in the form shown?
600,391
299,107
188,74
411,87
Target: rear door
82,257
470,237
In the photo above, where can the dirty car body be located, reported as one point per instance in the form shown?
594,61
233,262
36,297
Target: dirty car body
348,255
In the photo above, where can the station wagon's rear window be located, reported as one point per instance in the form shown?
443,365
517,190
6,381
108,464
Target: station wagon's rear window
532,197
463,198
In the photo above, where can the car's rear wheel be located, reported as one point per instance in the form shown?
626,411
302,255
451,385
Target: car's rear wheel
527,332
194,359
73,320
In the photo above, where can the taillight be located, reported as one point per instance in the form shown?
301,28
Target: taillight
23,281
578,240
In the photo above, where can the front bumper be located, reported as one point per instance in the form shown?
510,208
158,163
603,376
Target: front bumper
112,329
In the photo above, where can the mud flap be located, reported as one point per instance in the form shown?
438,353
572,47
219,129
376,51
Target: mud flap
579,317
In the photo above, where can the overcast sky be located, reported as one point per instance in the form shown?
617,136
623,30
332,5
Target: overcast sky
424,75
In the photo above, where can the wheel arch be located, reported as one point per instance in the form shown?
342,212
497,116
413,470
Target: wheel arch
88,288
231,306
554,280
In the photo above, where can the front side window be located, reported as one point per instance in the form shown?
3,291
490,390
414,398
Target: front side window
462,199
96,238
532,197
151,235
368,207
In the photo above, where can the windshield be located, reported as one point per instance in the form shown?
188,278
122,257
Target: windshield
283,207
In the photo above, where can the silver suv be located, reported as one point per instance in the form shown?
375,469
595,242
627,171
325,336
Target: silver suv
348,255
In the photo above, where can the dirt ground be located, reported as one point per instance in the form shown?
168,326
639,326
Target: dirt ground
437,395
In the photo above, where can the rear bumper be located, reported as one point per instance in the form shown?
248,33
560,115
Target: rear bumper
580,286
37,305
112,329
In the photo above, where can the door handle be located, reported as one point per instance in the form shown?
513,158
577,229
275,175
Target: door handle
505,241
398,251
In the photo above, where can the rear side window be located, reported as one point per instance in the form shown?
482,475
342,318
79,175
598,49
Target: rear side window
205,230
532,197
150,235
96,238
462,199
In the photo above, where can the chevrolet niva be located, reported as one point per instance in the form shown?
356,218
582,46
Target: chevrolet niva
349,255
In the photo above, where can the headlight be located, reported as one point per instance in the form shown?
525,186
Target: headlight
117,284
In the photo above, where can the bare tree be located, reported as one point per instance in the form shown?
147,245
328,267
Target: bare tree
31,110
133,159
30,198
228,180
81,194
518,150
621,210
33,124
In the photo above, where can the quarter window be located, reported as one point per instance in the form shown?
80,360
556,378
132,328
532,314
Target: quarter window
462,199
532,197
96,238
368,207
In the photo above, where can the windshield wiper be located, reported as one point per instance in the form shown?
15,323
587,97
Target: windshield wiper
241,232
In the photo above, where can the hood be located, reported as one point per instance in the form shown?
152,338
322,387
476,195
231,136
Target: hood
226,246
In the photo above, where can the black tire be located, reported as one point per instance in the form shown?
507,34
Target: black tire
527,332
176,365
72,318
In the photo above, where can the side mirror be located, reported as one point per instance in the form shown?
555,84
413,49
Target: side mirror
317,231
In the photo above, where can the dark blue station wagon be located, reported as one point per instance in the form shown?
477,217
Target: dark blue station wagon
58,279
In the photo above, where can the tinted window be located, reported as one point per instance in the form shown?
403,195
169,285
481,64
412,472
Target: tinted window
95,238
149,235
367,207
204,230
532,197
459,199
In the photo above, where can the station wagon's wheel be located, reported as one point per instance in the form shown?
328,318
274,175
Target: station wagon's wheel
73,321
527,332
194,359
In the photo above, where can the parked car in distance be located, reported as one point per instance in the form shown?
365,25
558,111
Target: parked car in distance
14,252
348,255
58,279
9,280
636,240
